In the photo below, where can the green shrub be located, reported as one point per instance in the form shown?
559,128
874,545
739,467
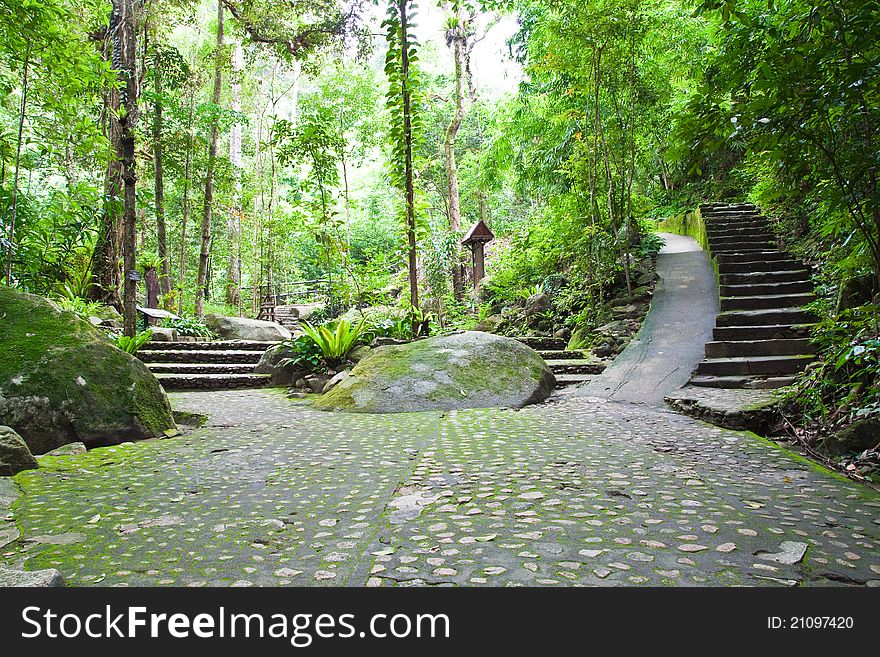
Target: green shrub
190,327
132,345
845,384
307,353
336,342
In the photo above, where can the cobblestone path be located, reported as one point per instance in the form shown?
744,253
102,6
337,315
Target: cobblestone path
575,491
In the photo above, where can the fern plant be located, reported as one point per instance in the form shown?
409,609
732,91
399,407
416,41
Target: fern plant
336,342
132,345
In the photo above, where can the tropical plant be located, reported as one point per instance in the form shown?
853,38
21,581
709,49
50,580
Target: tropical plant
131,345
189,327
336,341
307,353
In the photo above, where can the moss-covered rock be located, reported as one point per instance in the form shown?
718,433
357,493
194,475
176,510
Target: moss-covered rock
464,370
15,456
63,381
857,437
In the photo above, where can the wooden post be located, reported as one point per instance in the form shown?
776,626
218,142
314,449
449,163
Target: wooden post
476,238
479,264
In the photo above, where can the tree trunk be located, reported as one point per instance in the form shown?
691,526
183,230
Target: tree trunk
21,118
409,173
159,182
458,39
123,36
233,262
205,252
186,182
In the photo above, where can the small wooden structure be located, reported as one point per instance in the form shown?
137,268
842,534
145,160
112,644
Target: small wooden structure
475,239
152,316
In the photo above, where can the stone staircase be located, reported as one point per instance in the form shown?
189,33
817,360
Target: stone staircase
205,365
230,364
288,316
570,367
761,336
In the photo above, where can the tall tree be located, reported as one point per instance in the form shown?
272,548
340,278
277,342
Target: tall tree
205,251
402,75
159,175
124,117
458,33
233,262
25,71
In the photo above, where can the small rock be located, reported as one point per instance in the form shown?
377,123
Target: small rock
71,449
790,553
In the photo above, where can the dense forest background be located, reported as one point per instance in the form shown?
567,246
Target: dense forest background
222,146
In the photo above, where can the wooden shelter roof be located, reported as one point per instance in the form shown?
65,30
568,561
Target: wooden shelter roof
479,233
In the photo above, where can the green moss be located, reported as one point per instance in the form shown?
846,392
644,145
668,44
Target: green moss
80,381
818,467
490,367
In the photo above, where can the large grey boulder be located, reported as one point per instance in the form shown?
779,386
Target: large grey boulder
30,579
14,453
242,328
355,315
463,370
63,381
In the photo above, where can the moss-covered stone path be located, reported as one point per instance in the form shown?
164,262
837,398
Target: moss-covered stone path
576,491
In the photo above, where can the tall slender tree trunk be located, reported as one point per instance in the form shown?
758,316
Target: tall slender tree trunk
205,252
159,183
21,117
123,37
186,185
409,173
233,263
457,38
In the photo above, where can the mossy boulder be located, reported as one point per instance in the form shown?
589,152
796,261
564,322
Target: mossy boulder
15,456
857,437
464,370
63,381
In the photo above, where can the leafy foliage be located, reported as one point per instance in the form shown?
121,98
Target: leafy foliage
335,340
845,385
190,327
132,345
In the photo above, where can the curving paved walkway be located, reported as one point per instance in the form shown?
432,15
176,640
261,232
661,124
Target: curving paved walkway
577,491
586,489
670,344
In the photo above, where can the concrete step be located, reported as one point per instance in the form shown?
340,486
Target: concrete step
200,368
793,347
739,246
540,343
766,301
770,317
575,366
770,332
221,345
732,213
559,354
206,356
566,380
748,382
763,289
745,232
212,381
754,365
770,276
738,257
741,237
723,223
